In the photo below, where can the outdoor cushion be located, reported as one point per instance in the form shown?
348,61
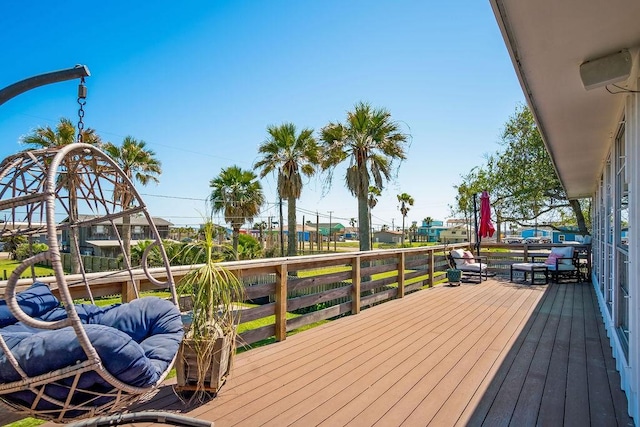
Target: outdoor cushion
34,301
468,256
475,266
136,343
561,267
552,259
458,257
563,252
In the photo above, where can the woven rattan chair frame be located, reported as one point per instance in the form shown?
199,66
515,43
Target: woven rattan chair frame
34,185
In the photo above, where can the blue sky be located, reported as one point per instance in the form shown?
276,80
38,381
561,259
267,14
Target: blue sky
200,81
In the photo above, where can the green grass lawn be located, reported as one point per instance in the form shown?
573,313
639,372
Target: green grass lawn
8,265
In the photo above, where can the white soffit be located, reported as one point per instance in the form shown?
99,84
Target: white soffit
548,40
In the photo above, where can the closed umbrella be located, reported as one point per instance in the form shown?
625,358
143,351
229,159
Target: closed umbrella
486,228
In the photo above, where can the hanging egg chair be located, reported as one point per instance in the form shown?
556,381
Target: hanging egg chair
62,360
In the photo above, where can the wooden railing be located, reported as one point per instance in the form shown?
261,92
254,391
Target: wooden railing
317,287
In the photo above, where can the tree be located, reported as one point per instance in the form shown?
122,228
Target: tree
522,181
292,155
414,230
138,164
261,227
372,142
12,242
353,222
427,222
49,138
238,195
405,201
372,201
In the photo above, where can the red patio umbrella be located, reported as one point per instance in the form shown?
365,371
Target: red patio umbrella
486,226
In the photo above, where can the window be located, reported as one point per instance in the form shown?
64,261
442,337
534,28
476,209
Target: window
620,228
561,238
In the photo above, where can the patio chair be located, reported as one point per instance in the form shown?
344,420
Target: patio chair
564,265
62,360
469,264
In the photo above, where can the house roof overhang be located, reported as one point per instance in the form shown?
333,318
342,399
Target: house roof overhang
548,40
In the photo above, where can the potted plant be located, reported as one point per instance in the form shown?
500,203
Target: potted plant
205,355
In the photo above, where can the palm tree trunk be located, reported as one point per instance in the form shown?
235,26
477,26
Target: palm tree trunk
126,238
236,233
402,239
292,231
364,223
73,231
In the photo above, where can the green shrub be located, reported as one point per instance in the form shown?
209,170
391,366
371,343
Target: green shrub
23,252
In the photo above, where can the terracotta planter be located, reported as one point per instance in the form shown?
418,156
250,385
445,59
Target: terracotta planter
216,373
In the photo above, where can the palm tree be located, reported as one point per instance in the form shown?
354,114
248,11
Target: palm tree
372,142
65,134
353,222
413,230
291,155
261,226
372,201
427,222
238,195
405,201
139,163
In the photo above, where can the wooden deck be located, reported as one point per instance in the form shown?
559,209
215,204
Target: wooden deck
491,354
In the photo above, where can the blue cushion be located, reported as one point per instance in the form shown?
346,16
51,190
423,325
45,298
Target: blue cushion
35,301
136,342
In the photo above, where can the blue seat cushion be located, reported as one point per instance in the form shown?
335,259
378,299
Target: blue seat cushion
136,343
34,301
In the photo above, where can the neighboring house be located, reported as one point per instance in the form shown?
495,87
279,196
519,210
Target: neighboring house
430,232
337,229
37,238
457,234
567,55
535,232
387,236
305,233
100,238
566,235
351,233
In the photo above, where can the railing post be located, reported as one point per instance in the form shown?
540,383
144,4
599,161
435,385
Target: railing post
431,268
401,258
128,291
281,302
355,285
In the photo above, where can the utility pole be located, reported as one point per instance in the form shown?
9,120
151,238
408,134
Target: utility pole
303,235
393,227
318,232
281,233
329,233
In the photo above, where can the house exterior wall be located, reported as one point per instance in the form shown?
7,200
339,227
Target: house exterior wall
387,237
616,209
454,235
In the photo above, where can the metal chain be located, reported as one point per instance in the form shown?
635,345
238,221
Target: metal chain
82,101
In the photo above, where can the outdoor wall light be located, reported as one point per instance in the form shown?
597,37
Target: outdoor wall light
606,70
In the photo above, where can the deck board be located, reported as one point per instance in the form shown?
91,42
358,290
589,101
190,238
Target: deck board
488,354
